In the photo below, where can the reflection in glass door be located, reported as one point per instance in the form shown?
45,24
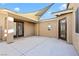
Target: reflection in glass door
62,29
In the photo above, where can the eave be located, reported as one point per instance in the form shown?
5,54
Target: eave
62,12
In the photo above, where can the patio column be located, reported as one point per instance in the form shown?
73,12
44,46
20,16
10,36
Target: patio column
37,29
9,29
3,15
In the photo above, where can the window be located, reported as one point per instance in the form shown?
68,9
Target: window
77,20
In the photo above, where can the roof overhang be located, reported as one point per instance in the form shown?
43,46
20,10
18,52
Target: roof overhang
32,16
47,20
18,16
62,12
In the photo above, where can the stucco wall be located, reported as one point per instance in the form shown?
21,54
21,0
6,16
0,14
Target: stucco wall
2,25
75,36
3,16
68,18
37,28
29,29
10,29
44,28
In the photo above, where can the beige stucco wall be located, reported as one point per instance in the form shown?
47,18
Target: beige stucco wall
29,29
10,29
43,26
6,25
3,16
2,26
69,25
75,36
36,29
43,30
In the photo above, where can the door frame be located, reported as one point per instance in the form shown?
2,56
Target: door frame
17,29
65,28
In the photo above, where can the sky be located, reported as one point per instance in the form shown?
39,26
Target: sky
31,7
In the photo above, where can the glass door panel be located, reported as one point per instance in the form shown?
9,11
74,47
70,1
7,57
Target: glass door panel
62,29
19,29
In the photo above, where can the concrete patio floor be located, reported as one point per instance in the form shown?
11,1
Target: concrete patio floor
37,46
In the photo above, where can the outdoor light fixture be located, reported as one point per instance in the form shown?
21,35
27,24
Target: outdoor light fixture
5,31
5,35
49,27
